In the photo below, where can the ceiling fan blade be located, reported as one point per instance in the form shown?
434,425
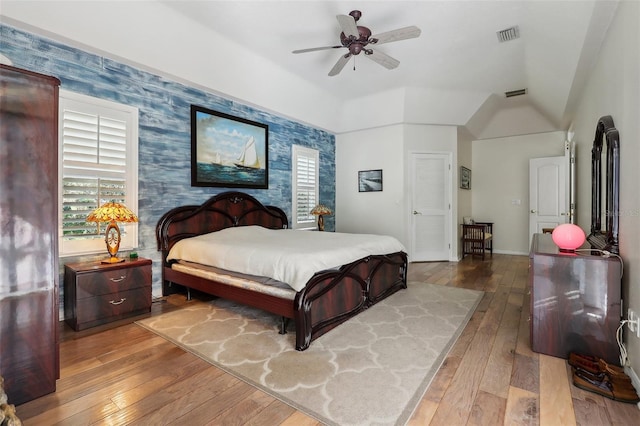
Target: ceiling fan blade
383,59
396,35
348,25
313,49
339,65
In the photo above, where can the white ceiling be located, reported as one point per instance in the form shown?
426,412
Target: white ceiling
458,56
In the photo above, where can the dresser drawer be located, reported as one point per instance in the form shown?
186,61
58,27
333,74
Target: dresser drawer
108,307
110,281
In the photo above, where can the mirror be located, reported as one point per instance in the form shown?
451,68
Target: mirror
605,205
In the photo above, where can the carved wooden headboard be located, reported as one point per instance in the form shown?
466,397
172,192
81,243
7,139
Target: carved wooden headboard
219,212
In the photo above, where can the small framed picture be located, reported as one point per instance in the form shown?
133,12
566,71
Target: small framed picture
465,178
369,180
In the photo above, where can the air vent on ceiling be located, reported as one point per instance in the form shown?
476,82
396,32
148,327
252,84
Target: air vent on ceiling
508,34
515,93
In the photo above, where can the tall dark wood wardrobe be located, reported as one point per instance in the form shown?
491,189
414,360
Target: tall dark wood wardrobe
29,357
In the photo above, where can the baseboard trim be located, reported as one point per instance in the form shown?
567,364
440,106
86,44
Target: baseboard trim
635,380
517,253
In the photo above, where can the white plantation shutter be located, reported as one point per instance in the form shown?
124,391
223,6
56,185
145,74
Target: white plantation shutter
305,186
98,164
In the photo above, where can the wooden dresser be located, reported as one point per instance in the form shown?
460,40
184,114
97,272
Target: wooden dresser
29,359
575,301
96,293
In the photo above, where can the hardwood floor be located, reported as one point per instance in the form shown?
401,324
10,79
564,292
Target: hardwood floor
123,374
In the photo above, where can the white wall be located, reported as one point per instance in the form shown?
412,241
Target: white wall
385,148
371,212
500,174
463,195
516,120
614,89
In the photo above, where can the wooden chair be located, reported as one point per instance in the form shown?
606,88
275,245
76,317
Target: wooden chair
477,239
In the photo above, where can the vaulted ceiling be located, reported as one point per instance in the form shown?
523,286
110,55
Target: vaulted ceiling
455,73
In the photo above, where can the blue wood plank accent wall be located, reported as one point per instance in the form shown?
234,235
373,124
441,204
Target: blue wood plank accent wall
164,130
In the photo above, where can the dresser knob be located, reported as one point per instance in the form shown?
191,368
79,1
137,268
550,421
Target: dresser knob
117,280
113,302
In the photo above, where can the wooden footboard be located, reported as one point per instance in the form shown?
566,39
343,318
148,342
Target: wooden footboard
330,297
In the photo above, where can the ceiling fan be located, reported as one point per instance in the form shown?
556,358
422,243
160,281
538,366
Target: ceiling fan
358,39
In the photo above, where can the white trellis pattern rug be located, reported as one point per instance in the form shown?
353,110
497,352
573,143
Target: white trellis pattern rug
371,370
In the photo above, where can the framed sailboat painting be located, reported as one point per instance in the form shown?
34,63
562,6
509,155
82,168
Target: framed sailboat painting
228,151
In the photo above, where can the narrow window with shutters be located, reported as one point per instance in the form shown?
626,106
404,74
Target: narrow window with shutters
98,143
305,163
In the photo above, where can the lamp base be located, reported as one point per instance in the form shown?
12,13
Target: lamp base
564,250
112,260
112,238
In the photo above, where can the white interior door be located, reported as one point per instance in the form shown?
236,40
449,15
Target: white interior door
430,206
548,201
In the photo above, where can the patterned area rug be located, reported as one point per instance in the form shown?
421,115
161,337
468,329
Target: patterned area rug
373,369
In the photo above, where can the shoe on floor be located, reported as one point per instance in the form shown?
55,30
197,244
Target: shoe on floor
623,381
605,387
593,364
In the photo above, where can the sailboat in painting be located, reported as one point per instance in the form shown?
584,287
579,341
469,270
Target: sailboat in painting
216,158
249,157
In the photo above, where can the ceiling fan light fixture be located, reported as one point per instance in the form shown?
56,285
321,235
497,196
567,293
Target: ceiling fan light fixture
508,34
356,48
355,38
356,14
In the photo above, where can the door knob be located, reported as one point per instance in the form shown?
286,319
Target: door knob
415,212
533,211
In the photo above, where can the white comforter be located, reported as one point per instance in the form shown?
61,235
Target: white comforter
292,257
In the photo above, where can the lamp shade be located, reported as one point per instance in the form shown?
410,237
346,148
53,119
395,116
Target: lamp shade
568,237
112,211
321,209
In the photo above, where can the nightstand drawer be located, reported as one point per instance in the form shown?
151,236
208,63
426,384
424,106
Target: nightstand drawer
111,281
97,293
113,306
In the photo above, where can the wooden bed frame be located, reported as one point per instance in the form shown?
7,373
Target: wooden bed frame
329,298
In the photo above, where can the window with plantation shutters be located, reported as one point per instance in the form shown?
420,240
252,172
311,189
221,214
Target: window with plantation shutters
305,163
99,161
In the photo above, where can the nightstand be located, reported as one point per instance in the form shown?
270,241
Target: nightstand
97,293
